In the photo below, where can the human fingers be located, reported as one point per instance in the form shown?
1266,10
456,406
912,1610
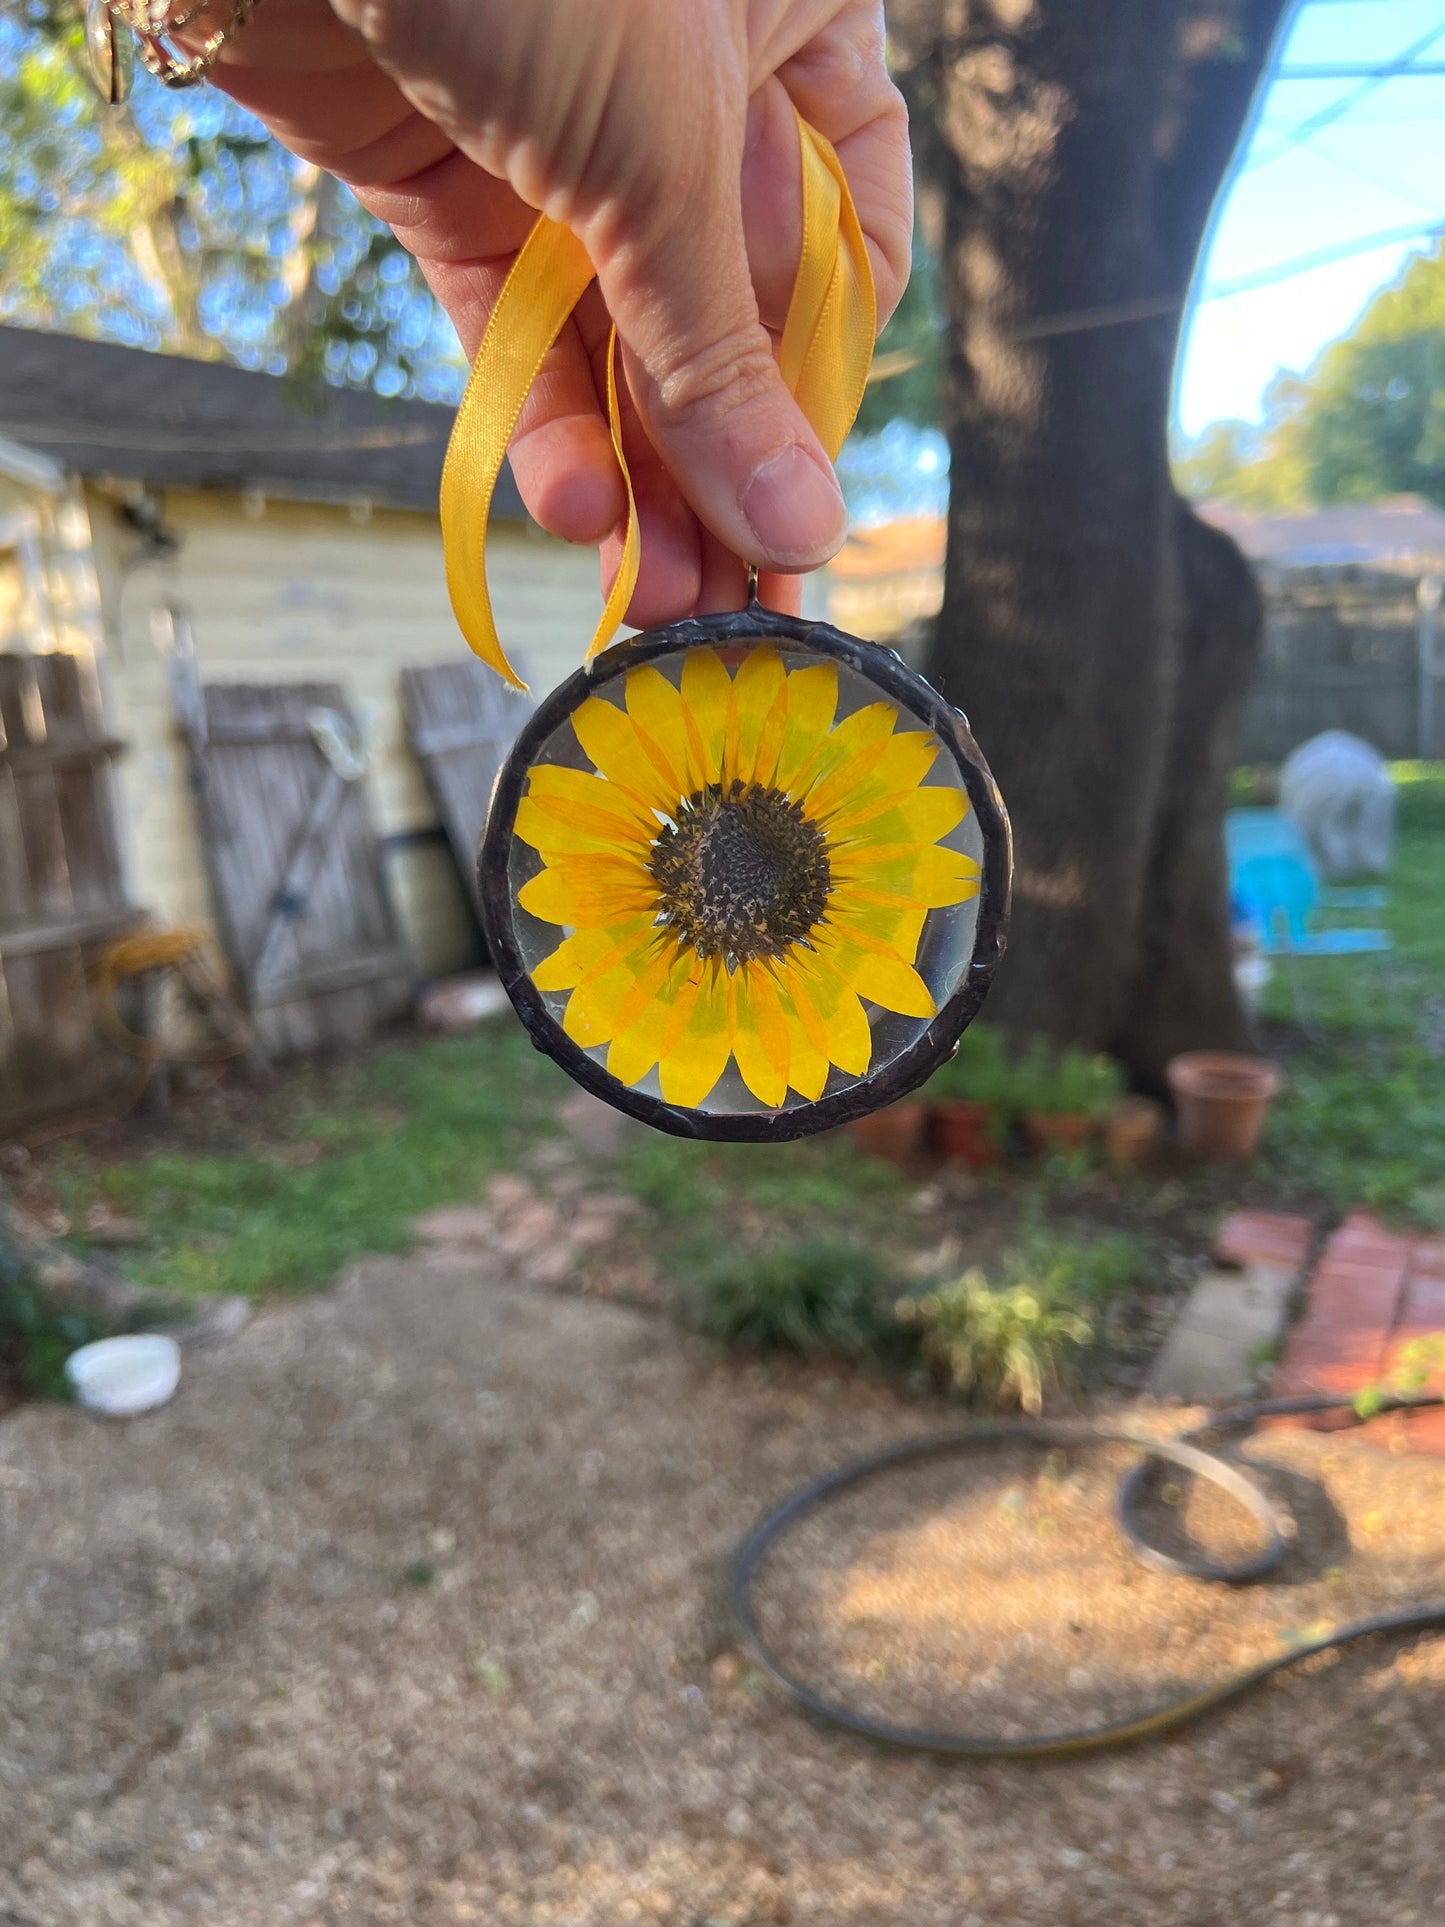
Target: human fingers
724,584
669,535
831,61
561,452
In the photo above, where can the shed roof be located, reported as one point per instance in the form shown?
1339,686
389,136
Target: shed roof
903,547
99,409
1403,532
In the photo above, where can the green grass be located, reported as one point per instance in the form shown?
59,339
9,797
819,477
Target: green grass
339,1170
1363,1117
818,1182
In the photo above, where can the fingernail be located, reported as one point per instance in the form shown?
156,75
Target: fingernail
795,510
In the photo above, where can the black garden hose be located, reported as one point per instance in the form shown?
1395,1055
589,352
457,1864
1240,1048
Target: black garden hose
1195,1452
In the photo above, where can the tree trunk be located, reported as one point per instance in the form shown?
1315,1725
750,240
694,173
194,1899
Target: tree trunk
305,306
1096,633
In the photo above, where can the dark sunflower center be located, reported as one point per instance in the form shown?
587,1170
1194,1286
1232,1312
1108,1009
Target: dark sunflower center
744,873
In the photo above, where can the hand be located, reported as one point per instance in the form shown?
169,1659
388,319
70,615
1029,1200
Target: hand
662,132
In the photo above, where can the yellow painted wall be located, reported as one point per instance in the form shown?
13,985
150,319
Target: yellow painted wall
285,592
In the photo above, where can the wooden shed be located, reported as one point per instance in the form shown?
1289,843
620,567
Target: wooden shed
213,586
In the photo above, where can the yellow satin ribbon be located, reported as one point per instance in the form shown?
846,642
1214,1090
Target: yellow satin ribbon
825,354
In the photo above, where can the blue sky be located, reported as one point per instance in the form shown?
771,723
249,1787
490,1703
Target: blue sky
1379,167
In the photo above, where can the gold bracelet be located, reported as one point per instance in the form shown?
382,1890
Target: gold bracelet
115,29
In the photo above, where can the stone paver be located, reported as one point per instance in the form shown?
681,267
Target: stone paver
470,1224
1212,1353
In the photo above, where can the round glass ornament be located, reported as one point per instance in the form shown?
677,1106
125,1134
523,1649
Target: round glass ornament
746,877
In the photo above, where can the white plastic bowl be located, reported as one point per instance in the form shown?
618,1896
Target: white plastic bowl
122,1376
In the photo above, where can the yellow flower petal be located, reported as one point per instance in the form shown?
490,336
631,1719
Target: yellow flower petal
676,1003
758,685
888,776
890,929
592,1009
855,782
894,985
646,1005
633,1052
550,785
759,1037
630,1003
706,693
804,1004
587,953
572,829
932,877
850,1039
807,1065
570,962
812,702
858,735
604,891
699,1057
611,740
658,715
770,740
927,816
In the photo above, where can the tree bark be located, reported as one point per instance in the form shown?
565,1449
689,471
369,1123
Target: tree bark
1096,633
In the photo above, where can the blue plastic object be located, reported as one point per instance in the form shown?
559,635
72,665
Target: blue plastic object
1261,833
1252,833
1280,890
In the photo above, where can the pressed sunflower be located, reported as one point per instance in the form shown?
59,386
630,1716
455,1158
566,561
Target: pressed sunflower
741,875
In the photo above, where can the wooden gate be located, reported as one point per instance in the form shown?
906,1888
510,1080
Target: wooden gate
461,720
61,890
301,895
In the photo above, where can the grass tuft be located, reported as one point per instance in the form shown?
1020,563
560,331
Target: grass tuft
812,1296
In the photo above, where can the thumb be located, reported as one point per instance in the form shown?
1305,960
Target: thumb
701,368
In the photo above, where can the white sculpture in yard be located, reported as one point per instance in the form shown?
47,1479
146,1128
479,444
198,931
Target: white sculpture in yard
1337,791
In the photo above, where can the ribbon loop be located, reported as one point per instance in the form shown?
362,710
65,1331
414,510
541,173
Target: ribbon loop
824,357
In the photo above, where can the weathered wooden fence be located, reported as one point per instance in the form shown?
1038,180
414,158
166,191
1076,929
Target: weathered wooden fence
61,888
1342,650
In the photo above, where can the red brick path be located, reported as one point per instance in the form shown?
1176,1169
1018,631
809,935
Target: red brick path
1372,1292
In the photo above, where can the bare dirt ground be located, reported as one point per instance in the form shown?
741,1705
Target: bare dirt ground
409,1609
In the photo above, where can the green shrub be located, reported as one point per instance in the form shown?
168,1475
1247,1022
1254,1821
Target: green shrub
1000,1348
977,1073
813,1296
1067,1082
35,1339
1088,1271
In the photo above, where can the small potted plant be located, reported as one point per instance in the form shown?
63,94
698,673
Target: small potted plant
1132,1130
895,1133
969,1100
1065,1098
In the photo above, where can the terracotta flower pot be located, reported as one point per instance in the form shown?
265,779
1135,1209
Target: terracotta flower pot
1221,1098
1132,1130
894,1133
961,1133
1058,1131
